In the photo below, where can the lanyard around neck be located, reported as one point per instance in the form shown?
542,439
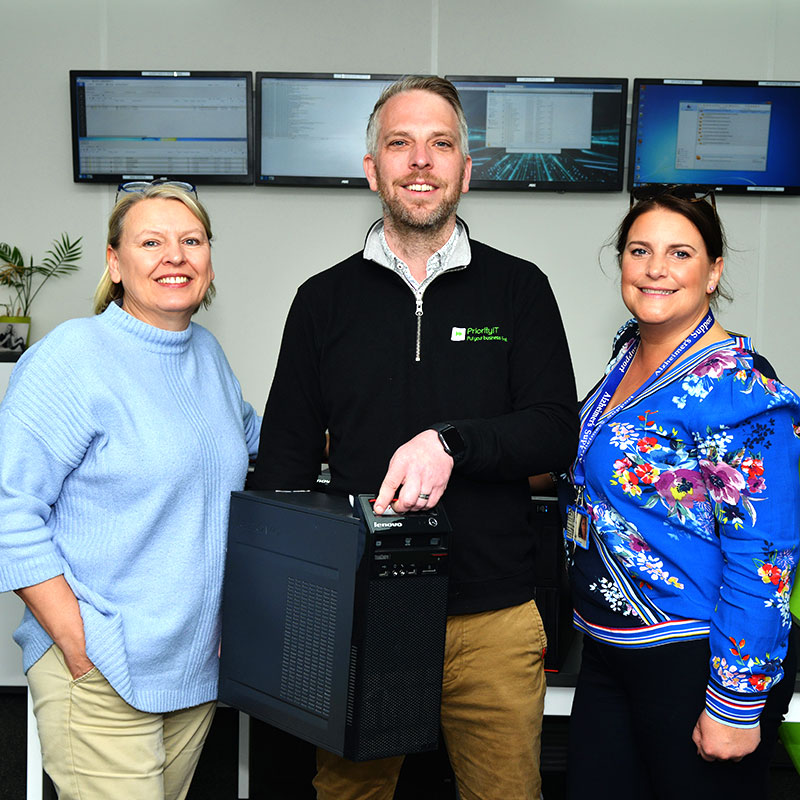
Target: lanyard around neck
598,403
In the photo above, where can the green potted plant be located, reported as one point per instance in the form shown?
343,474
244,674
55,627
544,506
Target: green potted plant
25,281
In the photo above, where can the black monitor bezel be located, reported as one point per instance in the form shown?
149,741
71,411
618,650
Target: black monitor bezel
556,186
193,178
339,182
719,188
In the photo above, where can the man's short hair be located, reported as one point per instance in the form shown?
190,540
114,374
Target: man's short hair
424,83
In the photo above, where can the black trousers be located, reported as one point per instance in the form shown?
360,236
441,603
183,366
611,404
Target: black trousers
632,720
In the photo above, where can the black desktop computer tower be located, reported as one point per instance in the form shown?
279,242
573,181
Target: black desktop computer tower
333,621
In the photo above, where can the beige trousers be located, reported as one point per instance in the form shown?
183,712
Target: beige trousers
492,704
96,747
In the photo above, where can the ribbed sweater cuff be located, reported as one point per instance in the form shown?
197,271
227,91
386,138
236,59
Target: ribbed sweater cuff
736,710
28,572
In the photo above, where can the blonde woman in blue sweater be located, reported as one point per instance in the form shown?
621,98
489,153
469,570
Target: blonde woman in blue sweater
122,437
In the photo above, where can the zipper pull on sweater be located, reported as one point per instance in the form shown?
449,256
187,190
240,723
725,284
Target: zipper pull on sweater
418,312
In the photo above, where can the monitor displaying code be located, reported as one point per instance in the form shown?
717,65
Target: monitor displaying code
311,127
145,125
558,134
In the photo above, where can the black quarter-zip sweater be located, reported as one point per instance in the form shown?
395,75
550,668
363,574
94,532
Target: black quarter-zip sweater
493,361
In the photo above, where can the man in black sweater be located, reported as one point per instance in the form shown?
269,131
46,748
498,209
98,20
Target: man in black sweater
447,361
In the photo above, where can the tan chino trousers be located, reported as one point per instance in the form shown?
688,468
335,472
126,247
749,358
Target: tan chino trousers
492,704
95,746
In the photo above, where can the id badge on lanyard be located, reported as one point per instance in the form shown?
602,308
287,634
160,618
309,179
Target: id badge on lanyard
578,515
578,523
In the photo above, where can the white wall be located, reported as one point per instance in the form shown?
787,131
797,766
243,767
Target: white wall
269,240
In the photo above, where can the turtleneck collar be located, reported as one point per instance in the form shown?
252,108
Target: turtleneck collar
155,339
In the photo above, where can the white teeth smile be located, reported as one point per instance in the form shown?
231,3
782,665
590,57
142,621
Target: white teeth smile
173,279
420,187
658,291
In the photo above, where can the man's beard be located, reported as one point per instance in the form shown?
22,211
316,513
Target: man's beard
415,219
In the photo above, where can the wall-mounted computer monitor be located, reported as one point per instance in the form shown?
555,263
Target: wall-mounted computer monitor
733,136
310,127
545,134
190,126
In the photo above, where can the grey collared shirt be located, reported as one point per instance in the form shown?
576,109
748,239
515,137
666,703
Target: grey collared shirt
455,253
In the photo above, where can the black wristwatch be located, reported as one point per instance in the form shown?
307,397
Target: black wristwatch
451,440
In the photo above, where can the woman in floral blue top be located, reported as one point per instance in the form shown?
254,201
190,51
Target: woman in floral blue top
685,531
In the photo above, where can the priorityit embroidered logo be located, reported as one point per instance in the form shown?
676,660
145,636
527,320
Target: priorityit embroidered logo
488,333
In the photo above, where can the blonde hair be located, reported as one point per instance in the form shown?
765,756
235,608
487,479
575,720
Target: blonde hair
107,291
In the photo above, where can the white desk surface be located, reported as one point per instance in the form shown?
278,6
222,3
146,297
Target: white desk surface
558,702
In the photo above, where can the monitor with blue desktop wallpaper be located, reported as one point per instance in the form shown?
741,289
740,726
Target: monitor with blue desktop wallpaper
310,127
545,133
180,125
732,136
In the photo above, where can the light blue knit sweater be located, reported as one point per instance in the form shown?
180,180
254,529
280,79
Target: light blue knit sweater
119,446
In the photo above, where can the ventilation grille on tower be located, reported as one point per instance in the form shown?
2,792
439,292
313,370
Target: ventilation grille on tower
401,668
308,646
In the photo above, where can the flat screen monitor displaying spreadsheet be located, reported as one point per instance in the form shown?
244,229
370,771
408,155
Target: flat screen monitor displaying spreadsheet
310,127
545,134
732,136
190,126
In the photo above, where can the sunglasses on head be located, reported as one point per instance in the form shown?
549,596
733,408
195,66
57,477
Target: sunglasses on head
141,186
685,191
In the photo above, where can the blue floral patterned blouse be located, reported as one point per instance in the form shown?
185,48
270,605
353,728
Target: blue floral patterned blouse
694,495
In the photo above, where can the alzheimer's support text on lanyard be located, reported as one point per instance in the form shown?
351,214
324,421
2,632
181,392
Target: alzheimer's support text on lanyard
577,528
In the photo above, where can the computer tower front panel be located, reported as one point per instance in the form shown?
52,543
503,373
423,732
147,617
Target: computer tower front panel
333,624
